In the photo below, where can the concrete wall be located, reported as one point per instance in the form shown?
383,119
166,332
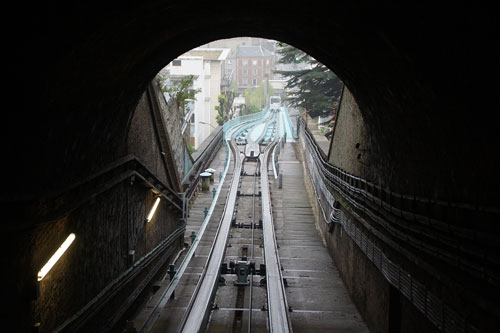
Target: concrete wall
350,130
172,118
142,140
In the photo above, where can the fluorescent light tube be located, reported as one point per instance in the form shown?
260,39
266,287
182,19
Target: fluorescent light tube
55,257
153,210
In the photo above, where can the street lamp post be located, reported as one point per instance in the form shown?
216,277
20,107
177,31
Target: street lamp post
202,122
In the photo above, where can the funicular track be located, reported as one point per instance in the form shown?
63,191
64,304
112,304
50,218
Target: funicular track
245,264
242,272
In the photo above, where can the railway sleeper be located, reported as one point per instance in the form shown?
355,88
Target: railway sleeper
259,194
241,225
250,264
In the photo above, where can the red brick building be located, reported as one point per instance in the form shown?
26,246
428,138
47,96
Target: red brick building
253,65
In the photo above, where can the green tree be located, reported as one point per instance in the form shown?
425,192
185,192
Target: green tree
225,108
315,88
255,99
179,91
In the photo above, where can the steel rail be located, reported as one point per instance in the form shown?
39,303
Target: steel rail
276,151
273,158
154,312
160,304
269,121
253,145
250,305
199,306
277,304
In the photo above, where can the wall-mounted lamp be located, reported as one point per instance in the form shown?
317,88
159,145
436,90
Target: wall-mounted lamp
153,210
55,257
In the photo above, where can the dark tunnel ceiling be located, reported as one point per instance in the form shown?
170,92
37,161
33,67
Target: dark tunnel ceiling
417,72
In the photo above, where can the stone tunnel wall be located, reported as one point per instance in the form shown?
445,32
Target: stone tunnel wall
106,230
107,225
350,130
367,287
173,117
142,140
382,305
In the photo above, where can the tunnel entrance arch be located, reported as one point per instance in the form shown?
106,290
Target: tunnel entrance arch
402,70
381,53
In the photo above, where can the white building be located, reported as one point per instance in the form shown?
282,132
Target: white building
214,62
206,67
184,66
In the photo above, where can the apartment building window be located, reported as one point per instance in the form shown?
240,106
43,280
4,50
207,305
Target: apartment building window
176,63
254,82
255,72
254,62
245,62
245,71
245,81
267,61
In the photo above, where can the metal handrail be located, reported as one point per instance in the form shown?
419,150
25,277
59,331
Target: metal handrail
289,121
211,147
